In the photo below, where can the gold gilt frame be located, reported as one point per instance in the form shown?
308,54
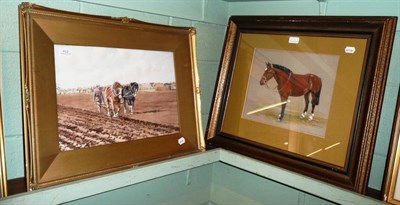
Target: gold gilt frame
268,58
3,170
391,188
41,29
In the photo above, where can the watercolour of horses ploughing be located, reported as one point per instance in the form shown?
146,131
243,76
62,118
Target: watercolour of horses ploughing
102,94
109,95
283,85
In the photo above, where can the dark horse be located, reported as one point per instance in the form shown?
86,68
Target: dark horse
113,99
129,94
291,84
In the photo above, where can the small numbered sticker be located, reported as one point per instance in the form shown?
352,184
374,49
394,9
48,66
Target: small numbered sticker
64,51
350,49
181,141
294,40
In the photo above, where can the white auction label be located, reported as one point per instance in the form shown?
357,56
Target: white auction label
294,40
181,141
350,49
64,51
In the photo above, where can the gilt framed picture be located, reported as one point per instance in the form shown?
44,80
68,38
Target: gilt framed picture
102,94
391,188
3,168
303,93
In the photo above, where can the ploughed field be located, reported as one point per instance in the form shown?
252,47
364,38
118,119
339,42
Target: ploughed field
80,125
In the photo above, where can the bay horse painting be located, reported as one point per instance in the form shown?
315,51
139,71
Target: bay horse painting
113,99
129,94
296,85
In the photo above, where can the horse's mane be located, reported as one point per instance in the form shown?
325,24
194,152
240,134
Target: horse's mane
116,85
282,68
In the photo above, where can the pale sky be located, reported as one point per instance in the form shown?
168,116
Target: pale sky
86,66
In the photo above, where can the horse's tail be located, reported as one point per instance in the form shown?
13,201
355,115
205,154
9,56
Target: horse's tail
318,91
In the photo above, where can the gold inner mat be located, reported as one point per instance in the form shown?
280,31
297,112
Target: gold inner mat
333,147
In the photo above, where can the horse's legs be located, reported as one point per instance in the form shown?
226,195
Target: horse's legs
108,108
307,101
116,109
313,103
311,117
112,109
131,106
125,107
112,104
282,114
122,101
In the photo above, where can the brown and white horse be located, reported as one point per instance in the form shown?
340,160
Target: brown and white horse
113,99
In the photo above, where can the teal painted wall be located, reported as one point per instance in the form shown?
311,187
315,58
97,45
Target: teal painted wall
234,185
347,8
216,183
213,177
209,17
187,187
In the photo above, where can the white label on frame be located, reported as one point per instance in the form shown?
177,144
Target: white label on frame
64,51
350,49
181,141
294,40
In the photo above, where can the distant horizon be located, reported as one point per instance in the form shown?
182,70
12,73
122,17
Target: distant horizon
112,83
88,66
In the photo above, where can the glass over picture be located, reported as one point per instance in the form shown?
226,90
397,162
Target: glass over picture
109,95
285,90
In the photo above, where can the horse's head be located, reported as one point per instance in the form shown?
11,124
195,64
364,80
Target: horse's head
268,74
134,86
117,89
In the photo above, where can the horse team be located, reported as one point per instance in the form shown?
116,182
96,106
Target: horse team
114,96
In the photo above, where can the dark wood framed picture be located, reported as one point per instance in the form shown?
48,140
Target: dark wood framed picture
303,93
391,188
103,94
